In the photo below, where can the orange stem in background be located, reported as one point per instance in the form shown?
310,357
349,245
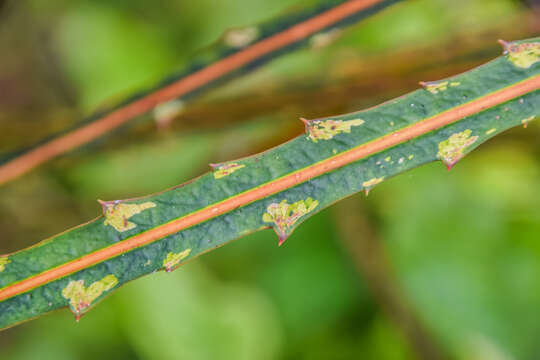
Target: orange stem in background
275,186
83,135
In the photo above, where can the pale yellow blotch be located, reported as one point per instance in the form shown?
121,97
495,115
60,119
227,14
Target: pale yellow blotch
227,169
3,262
324,39
285,215
451,150
491,131
523,55
436,87
173,259
410,157
81,297
327,129
372,182
387,159
117,214
526,121
238,38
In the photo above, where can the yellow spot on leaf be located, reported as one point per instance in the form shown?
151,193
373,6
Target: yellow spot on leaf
327,129
227,169
436,87
117,214
81,298
491,131
284,215
410,157
451,150
238,38
387,159
173,259
3,262
372,182
523,55
526,121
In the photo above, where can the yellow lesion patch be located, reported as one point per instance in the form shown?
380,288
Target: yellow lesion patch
80,297
327,129
117,213
451,150
173,259
438,86
523,55
525,122
284,215
490,131
372,182
226,169
3,262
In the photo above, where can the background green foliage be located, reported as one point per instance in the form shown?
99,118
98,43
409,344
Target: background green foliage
462,245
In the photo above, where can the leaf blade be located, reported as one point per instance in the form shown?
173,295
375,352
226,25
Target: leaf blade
281,187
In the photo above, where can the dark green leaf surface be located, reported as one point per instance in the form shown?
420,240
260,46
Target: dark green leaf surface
325,140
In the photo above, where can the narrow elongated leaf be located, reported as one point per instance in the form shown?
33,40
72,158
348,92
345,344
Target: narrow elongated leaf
239,51
278,189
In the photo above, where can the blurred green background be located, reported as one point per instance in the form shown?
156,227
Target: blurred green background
433,265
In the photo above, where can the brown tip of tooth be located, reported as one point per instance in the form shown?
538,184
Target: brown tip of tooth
504,45
281,240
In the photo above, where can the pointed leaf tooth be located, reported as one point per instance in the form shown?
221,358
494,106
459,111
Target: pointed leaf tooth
505,45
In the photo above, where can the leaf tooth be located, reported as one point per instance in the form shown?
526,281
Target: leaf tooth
281,240
505,45
106,204
306,124
449,165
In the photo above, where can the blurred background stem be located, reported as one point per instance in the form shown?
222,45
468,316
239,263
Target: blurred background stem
361,241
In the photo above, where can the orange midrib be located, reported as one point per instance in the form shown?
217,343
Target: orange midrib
87,133
278,185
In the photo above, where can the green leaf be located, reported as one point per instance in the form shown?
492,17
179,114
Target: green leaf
279,188
239,51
